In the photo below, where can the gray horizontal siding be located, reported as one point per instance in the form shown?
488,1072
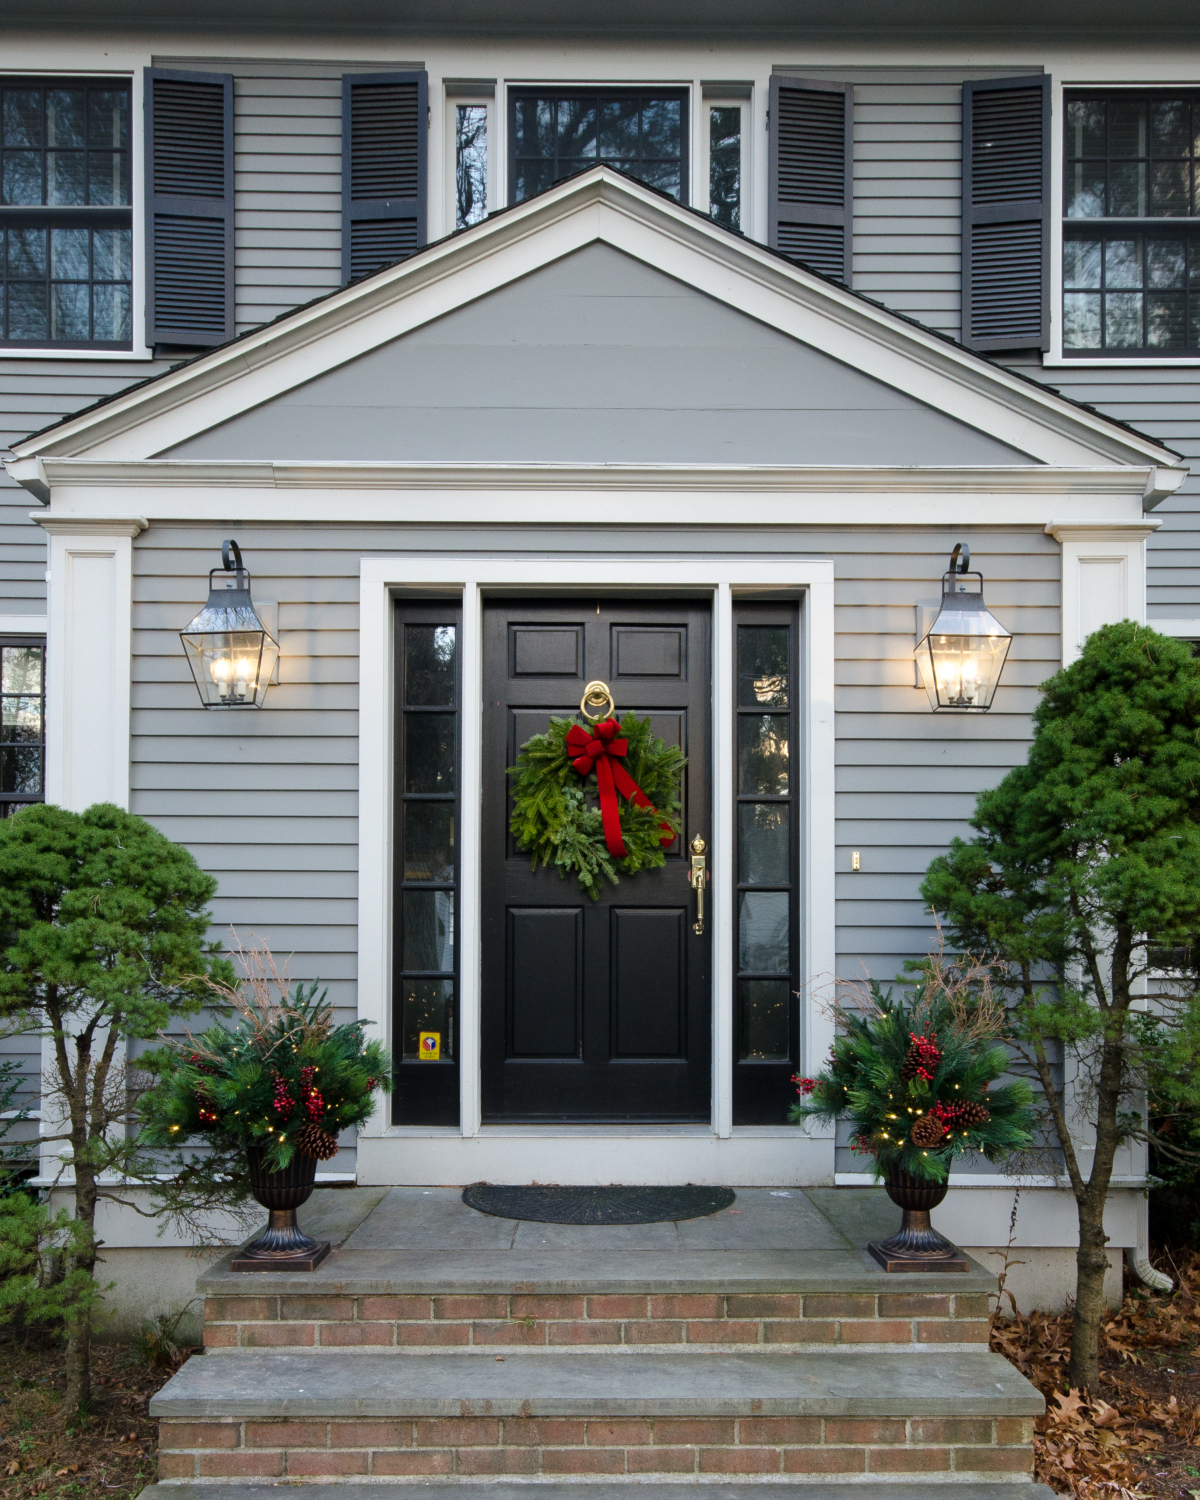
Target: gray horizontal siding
907,198
268,802
1164,403
33,394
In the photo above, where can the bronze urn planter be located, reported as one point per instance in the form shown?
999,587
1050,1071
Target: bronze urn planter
918,1246
282,1246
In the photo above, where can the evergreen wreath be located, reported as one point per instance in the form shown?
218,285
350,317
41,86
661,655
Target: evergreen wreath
917,1081
556,818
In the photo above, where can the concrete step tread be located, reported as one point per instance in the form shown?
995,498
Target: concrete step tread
458,1489
374,1272
273,1384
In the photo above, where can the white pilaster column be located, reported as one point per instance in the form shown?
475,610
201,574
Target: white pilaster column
88,658
1103,576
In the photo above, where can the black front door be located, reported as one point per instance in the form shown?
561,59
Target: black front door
594,1010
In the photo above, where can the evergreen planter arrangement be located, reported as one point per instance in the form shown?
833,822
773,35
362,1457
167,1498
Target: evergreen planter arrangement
268,1097
919,1081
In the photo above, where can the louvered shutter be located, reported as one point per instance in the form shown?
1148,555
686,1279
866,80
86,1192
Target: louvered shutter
1006,213
811,192
189,208
384,135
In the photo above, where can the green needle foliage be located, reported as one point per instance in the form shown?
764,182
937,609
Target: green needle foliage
283,1069
557,822
1084,879
918,1076
103,937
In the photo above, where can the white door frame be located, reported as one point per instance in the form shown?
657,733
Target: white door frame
470,579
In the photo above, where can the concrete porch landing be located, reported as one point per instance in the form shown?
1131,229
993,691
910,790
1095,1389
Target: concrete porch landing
412,1240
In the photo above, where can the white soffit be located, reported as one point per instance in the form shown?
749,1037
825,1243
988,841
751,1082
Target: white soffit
598,205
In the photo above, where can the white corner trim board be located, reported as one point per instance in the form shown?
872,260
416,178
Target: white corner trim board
597,205
471,579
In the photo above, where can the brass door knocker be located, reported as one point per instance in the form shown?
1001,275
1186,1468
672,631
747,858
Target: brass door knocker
599,695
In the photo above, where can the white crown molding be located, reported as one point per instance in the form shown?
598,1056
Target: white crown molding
1034,479
128,526
22,625
598,205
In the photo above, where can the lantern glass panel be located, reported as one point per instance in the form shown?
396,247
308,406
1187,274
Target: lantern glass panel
231,668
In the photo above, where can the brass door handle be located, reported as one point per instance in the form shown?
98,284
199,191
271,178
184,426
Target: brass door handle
698,879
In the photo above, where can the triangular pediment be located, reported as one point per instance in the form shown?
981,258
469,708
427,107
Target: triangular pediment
598,323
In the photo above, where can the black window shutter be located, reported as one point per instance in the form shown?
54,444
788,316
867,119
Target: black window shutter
189,208
811,164
384,169
1006,213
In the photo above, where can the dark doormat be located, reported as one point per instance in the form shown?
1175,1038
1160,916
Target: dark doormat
597,1205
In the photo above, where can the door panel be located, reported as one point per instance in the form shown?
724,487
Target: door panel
594,1010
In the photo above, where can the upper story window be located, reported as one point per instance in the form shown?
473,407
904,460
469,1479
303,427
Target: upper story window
1131,237
554,133
725,164
65,220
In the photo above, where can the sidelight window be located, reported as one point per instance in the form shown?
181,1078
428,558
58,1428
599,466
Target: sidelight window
425,1028
725,164
766,1015
470,164
1131,237
554,134
65,220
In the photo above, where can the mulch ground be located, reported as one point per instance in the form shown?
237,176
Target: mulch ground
110,1454
1139,1435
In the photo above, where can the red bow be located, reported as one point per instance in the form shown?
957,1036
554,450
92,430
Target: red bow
601,751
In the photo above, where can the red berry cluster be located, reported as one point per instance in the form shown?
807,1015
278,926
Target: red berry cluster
804,1085
314,1105
923,1056
205,1110
282,1101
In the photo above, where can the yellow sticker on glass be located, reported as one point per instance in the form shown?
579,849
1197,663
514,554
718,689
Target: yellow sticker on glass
429,1046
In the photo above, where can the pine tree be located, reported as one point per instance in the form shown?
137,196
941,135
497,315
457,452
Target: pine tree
103,925
1085,867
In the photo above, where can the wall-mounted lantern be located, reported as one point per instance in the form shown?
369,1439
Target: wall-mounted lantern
962,655
230,651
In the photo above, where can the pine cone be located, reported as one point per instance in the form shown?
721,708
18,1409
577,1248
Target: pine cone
912,1061
972,1114
928,1131
311,1140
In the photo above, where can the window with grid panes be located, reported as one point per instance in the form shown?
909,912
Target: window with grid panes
425,941
22,722
767,954
555,133
1131,235
65,217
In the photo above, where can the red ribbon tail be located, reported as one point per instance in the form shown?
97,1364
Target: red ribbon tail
629,788
610,813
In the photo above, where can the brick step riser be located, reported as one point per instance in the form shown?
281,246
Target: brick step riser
759,1448
777,1321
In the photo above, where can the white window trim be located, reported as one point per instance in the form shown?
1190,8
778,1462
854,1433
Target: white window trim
716,100
471,579
1054,358
137,178
23,624
454,97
